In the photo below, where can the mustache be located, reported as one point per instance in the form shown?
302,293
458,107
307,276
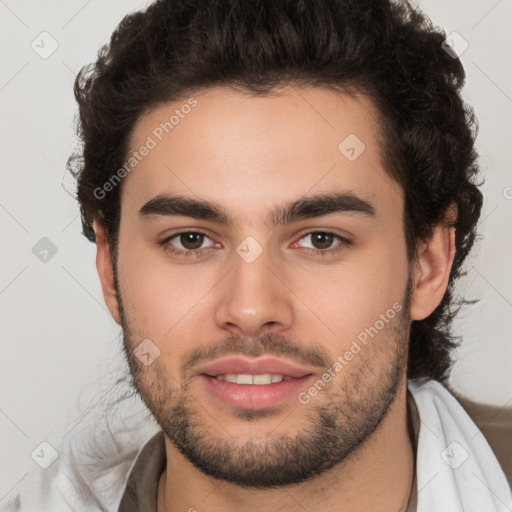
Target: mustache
268,344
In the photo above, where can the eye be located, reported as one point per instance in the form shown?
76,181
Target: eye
195,243
321,242
188,243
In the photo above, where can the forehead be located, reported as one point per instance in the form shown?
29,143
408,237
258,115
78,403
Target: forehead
252,152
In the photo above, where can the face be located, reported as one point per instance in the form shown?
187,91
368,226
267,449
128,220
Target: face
257,240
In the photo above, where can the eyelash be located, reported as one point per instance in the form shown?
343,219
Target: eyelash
344,243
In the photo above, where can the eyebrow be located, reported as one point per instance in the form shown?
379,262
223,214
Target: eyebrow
165,205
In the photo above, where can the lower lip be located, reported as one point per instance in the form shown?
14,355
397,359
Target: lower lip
251,396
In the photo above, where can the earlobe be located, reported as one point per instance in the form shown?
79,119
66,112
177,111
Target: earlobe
105,270
432,271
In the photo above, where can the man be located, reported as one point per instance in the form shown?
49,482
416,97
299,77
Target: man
282,197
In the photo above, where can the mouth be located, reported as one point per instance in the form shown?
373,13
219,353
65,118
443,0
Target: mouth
254,384
247,379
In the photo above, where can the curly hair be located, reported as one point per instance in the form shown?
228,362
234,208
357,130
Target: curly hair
388,51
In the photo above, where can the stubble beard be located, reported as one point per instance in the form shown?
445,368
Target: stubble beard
334,425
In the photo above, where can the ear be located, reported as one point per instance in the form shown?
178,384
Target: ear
432,269
105,270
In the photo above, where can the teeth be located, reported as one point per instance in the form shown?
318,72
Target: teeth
244,379
266,378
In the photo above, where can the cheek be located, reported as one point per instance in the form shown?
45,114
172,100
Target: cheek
336,300
157,295
352,295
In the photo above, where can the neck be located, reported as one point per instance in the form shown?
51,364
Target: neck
376,476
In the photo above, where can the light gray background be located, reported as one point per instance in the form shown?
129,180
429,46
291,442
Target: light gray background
60,346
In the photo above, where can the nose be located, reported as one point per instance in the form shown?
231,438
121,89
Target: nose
254,299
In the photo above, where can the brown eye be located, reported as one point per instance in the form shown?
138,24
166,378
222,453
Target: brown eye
191,241
188,243
322,240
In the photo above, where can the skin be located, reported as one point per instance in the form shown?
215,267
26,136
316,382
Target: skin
251,154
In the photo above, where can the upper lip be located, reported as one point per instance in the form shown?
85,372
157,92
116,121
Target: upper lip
239,365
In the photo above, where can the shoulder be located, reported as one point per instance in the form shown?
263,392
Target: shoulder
493,423
88,475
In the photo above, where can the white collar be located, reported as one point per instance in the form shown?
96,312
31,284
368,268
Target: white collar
456,470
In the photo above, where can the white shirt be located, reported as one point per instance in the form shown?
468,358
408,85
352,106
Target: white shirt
456,470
